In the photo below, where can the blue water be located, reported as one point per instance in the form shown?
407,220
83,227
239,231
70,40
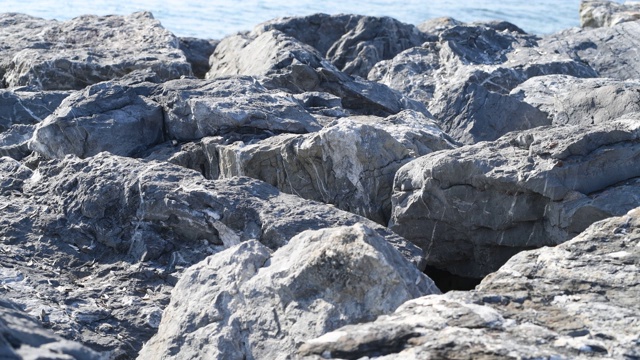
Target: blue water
217,18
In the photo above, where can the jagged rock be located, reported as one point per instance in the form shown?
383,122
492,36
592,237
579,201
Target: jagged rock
22,337
573,101
466,75
436,26
197,52
602,13
474,207
15,141
53,55
98,243
574,301
352,43
611,52
319,281
282,62
127,119
24,106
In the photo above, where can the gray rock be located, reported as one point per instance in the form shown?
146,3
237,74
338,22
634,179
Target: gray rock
25,106
98,243
53,55
436,26
266,304
611,52
574,101
602,13
282,62
352,43
574,301
197,52
474,207
15,141
22,337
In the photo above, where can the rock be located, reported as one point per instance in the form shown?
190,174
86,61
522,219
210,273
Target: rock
601,13
22,337
25,106
574,301
99,243
609,51
436,26
282,62
573,101
465,77
104,117
319,281
14,142
197,52
474,207
127,118
352,43
52,55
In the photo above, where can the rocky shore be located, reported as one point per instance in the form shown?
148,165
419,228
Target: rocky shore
326,186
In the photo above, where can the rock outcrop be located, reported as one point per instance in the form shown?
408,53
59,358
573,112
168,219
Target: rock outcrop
574,301
600,13
474,207
52,55
266,304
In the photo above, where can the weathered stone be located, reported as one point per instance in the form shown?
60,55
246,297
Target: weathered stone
22,337
98,243
574,101
603,13
24,106
472,208
282,62
230,305
197,52
88,49
574,301
352,43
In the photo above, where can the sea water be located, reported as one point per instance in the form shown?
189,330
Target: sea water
216,18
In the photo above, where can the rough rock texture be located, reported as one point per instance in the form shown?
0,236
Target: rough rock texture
352,43
97,244
466,74
126,119
575,301
282,62
22,337
600,13
319,281
197,52
611,52
88,49
473,208
573,101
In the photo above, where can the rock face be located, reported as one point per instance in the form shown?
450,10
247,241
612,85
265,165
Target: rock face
197,52
319,281
22,337
53,55
97,244
572,101
473,208
574,301
600,13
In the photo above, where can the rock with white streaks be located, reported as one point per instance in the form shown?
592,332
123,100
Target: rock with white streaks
262,306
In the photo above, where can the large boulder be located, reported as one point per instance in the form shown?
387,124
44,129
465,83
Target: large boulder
283,62
197,51
232,304
474,207
574,101
69,55
605,13
575,301
94,246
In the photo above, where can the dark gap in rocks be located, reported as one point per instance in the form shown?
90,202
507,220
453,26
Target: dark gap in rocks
446,281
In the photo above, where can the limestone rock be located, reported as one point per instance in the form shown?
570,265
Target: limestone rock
573,101
26,106
70,55
282,62
230,305
22,337
474,207
574,301
197,51
603,13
